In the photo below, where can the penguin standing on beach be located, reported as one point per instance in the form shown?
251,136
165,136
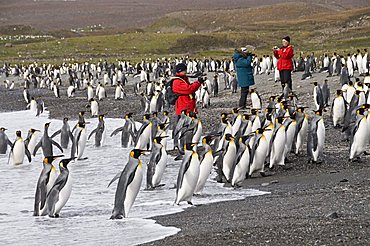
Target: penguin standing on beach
206,164
4,141
60,192
278,139
318,96
242,162
32,105
225,163
94,107
157,163
359,137
128,185
316,138
46,143
26,95
19,150
45,182
143,136
301,129
338,109
188,175
99,131
259,151
71,91
65,134
256,99
90,92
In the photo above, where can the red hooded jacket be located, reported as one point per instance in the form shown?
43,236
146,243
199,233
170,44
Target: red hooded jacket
285,55
186,100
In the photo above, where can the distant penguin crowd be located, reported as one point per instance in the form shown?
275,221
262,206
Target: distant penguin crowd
245,143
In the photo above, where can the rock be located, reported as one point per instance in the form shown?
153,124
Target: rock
265,184
344,180
333,215
333,171
8,45
274,182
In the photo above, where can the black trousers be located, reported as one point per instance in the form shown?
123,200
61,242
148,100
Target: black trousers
243,97
286,78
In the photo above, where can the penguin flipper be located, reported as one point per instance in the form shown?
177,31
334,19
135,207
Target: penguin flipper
119,129
94,131
38,145
28,154
115,178
56,133
57,145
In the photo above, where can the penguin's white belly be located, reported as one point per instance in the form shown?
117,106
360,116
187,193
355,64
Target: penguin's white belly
81,144
268,135
153,104
160,167
144,138
204,172
101,93
90,93
33,141
278,146
320,140
359,140
241,168
189,181
236,125
229,159
256,103
290,137
301,136
259,158
117,93
64,195
18,152
338,110
198,133
133,189
33,106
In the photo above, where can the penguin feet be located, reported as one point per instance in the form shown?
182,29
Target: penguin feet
190,203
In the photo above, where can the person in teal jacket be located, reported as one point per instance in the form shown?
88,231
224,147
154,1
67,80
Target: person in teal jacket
244,73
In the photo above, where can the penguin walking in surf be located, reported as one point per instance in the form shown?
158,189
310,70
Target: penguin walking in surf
206,164
79,141
128,131
4,141
46,143
128,185
100,132
31,140
19,150
65,134
60,192
157,163
45,182
143,136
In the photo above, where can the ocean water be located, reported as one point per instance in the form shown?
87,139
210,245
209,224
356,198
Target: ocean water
85,218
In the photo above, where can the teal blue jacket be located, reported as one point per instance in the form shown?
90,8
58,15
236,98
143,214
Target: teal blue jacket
244,70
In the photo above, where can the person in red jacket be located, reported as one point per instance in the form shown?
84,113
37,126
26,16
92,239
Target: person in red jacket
285,63
185,90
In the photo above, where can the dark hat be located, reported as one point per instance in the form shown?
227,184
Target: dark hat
180,67
287,38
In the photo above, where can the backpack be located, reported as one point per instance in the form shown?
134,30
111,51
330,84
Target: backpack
171,97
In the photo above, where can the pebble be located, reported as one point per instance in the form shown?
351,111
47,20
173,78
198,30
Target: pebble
333,215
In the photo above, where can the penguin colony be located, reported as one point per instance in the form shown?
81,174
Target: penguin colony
244,144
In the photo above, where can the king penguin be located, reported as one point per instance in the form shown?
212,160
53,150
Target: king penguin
128,131
18,150
277,155
65,134
128,185
46,143
79,141
206,164
338,109
46,180
31,139
143,136
359,137
301,129
60,192
316,137
242,162
99,131
259,151
188,175
225,164
4,141
157,164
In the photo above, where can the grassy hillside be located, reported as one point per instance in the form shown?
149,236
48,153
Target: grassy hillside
313,27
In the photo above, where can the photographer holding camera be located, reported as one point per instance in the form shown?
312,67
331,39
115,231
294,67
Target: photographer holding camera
244,73
285,63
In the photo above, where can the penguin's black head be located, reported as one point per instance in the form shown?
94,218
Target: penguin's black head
189,146
350,83
280,120
235,110
252,90
366,106
81,113
162,126
318,112
229,137
223,115
192,115
47,125
64,163
207,139
254,111
224,120
357,92
129,115
183,112
101,116
244,139
245,116
272,98
65,119
155,114
165,113
359,83
18,133
146,116
81,124
360,111
159,139
339,92
268,117
136,153
2,129
33,130
50,159
315,83
259,130
357,79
